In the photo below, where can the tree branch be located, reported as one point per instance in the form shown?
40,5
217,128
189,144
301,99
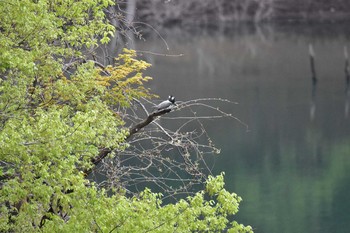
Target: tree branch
146,121
133,130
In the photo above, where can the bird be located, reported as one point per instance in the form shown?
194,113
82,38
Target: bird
166,104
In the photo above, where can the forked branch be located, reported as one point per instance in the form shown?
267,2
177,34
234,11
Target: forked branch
133,130
147,121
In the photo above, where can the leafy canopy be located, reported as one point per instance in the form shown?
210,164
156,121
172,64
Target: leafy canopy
57,111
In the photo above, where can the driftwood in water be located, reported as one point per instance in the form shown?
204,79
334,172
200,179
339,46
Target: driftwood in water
347,81
314,82
346,68
312,64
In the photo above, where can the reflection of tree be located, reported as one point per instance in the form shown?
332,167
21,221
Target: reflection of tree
298,192
206,12
203,11
338,219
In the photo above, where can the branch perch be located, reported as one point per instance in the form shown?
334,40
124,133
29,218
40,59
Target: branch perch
133,130
147,121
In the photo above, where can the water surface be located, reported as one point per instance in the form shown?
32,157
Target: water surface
292,167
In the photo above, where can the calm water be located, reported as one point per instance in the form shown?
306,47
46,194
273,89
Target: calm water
292,168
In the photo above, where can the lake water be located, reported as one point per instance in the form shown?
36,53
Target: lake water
292,168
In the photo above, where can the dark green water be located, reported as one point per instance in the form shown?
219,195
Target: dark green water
292,168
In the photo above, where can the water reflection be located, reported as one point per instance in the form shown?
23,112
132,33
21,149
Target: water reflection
292,167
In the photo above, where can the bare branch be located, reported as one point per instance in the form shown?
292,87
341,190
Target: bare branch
147,121
105,151
170,161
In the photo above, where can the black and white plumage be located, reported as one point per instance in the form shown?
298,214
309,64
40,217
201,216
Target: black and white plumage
166,104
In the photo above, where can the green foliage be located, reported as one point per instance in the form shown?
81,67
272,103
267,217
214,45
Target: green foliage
53,123
145,213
